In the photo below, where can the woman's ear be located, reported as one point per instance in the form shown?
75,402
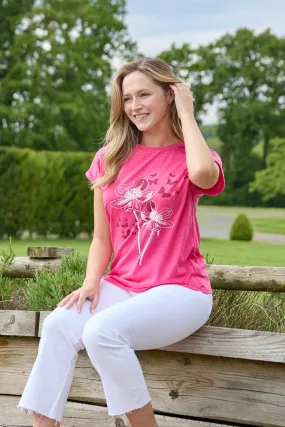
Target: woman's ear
170,95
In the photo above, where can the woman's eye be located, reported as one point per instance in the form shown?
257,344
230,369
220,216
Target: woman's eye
143,94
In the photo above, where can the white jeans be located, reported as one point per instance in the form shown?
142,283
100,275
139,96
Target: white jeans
122,322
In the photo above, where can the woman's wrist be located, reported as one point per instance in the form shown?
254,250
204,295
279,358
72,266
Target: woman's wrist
93,281
188,117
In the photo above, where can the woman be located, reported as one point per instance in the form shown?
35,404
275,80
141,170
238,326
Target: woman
147,180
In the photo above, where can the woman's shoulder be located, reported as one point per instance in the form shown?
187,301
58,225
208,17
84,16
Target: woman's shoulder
101,150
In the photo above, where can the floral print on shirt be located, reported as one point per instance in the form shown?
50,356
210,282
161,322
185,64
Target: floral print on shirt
131,199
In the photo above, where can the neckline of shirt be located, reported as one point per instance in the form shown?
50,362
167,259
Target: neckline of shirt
166,147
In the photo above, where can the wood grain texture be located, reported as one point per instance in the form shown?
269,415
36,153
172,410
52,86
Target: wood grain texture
48,252
246,278
18,323
234,343
86,415
203,387
27,267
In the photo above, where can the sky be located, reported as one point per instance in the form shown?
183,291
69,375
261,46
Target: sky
155,24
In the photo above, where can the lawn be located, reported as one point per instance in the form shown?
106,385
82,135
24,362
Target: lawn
243,253
269,225
222,251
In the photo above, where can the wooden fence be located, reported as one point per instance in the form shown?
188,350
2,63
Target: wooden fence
213,378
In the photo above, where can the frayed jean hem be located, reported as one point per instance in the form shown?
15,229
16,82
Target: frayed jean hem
129,412
31,411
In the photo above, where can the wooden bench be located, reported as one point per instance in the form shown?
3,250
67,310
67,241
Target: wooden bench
215,377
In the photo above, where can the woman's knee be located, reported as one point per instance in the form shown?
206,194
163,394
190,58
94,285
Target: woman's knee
96,332
58,319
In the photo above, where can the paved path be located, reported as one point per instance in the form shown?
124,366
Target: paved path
218,225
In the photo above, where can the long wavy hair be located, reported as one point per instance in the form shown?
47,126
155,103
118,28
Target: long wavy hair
122,134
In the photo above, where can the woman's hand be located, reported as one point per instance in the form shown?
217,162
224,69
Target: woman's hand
87,290
183,98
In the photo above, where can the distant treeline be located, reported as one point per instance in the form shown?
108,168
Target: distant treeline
56,68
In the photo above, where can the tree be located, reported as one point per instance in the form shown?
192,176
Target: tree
53,93
11,15
246,74
270,182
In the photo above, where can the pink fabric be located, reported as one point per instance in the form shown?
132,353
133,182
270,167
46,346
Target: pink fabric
151,210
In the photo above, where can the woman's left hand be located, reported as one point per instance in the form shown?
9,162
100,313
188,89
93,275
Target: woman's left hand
183,98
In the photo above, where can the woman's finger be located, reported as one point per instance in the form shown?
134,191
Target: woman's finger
64,300
72,301
94,302
80,303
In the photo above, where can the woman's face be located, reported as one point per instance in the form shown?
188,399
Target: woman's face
145,103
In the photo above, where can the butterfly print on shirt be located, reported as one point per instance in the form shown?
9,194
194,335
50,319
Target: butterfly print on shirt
127,234
153,182
163,193
171,182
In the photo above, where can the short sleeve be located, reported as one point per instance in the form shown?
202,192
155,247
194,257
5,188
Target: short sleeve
220,184
96,168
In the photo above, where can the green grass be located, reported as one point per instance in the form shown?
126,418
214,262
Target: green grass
264,225
225,252
222,251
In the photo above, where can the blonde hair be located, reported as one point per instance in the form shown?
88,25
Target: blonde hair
122,135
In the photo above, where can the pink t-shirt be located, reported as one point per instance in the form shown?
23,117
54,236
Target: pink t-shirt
151,210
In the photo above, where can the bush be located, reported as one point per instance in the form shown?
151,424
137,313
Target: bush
45,193
48,288
241,228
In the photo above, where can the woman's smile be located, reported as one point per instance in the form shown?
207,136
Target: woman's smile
141,117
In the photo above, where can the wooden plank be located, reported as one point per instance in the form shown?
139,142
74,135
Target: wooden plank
18,323
234,343
226,342
80,414
27,267
48,252
203,387
43,315
246,278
